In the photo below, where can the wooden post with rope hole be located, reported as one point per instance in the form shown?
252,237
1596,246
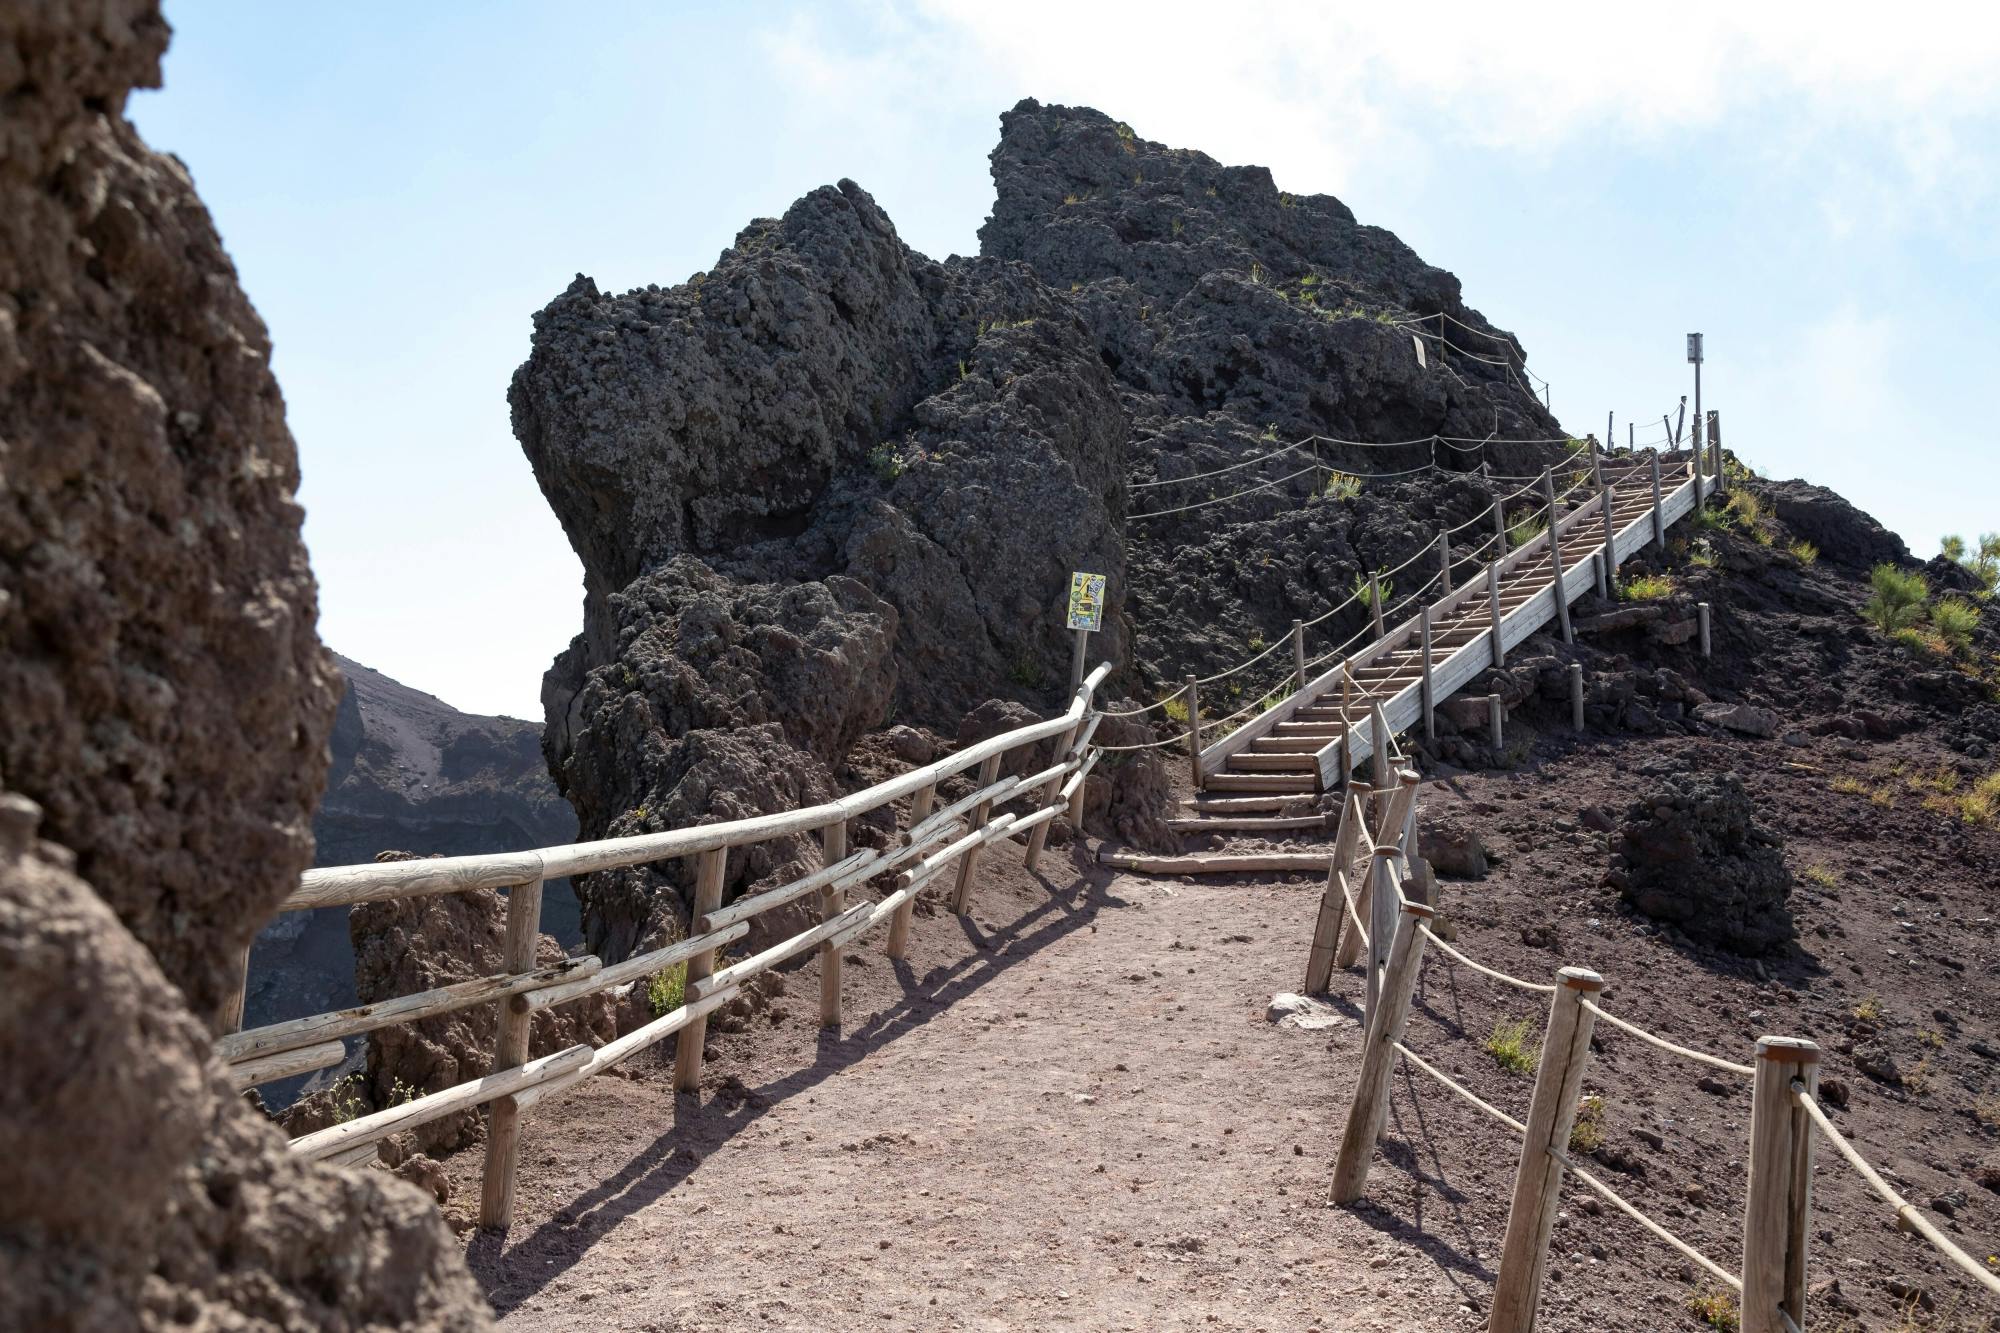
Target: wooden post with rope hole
1385,879
1531,1217
968,861
1701,621
1375,604
1378,759
1596,462
1715,447
1576,695
832,901
920,809
1778,1211
1332,919
1556,557
1429,691
1194,731
1299,653
1369,1110
1496,717
1610,537
510,1050
1499,522
707,898
1347,943
1444,563
1659,509
1493,605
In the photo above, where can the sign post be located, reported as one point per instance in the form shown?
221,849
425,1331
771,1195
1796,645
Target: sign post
1695,435
1086,616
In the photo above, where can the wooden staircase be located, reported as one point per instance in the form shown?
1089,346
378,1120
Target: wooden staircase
1294,749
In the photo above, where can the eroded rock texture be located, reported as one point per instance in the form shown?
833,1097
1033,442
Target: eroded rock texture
877,471
167,704
1693,854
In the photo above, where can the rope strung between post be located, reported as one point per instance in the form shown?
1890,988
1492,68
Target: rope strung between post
1143,745
1227,672
1617,1201
1279,452
1464,1092
1686,1053
1352,914
1234,495
1906,1214
1161,702
1501,977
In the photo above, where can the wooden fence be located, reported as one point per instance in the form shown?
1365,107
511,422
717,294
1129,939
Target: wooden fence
935,842
1786,1117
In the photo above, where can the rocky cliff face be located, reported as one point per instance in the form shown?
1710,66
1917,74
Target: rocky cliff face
167,704
831,482
409,773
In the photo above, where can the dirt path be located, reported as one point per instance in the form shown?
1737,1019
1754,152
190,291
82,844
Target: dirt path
1069,1111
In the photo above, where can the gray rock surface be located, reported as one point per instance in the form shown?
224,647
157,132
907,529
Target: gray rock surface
1692,853
167,704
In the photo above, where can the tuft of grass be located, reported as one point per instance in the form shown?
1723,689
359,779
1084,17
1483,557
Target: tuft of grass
1979,804
666,990
1869,1010
1524,530
345,1094
1703,555
1745,508
1342,486
1804,552
1921,641
886,460
1510,1049
1897,601
1820,875
1026,674
1384,588
1646,588
1176,709
1256,642
1987,1112
1716,1308
1955,619
1848,786
1931,1038
1586,1133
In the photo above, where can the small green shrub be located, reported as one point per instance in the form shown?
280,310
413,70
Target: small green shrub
886,460
1703,555
1342,486
1176,709
1898,598
1384,588
1715,1308
1510,1049
1745,508
1025,673
1955,619
1921,641
1804,552
1256,642
1983,562
1820,875
1586,1132
1525,529
1646,588
666,990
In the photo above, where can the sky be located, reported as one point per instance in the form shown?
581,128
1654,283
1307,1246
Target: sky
403,186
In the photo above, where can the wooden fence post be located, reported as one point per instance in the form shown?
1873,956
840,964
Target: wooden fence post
1493,603
707,897
968,861
510,1049
1596,465
1444,563
1384,895
1299,652
1378,759
1659,510
1715,445
1538,1183
1556,558
1430,700
1597,574
1499,524
231,1018
1701,619
1370,1107
1375,604
1576,695
1779,1207
1349,945
1496,718
1330,930
920,809
1194,732
832,901
1610,537
1700,488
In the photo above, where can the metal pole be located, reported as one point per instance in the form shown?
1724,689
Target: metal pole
1076,660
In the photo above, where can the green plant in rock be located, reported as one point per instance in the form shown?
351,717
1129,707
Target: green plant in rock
1820,875
1256,641
1384,588
1342,486
345,1096
1509,1047
1745,508
1716,1308
1179,226
1646,588
1127,138
1586,1132
1984,562
886,460
1804,552
1898,598
1025,673
1526,528
666,990
1955,619
1703,555
1176,709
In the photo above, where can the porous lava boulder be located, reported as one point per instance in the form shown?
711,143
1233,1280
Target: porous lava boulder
1691,853
167,704
1097,391
1845,535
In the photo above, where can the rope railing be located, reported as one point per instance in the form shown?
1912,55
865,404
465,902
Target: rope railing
1481,968
1671,1048
1625,1206
1907,1214
1463,1092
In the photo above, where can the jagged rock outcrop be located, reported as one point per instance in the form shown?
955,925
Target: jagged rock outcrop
1692,853
167,704
921,452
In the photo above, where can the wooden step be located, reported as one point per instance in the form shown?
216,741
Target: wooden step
1288,745
1248,824
1326,731
1303,783
1238,805
1273,763
1219,863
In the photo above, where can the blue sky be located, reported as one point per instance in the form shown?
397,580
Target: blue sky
402,186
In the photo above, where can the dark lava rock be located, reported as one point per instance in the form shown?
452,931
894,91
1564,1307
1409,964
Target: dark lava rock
1451,846
1691,853
166,703
1844,534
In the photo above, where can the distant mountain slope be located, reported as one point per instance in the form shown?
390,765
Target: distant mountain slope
409,773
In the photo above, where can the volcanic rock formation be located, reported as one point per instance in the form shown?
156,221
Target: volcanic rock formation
1692,853
876,471
167,704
